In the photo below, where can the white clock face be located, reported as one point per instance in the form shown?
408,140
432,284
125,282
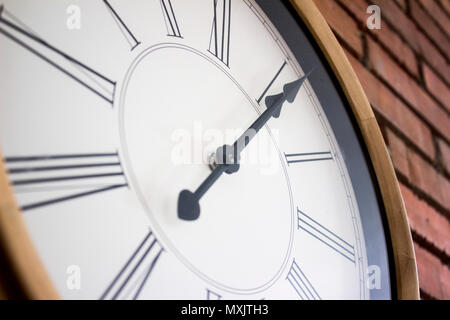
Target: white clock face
106,119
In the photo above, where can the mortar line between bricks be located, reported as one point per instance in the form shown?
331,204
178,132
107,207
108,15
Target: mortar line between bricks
417,113
365,56
433,19
365,46
395,30
443,9
430,247
421,69
419,61
344,44
407,5
425,295
384,121
423,195
431,40
436,164
440,160
410,144
433,159
393,56
434,131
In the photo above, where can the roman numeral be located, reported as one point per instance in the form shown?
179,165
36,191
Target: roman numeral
211,295
301,284
92,80
170,19
128,35
271,83
326,236
131,279
308,157
219,41
49,179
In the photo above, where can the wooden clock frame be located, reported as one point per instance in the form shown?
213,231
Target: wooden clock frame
22,275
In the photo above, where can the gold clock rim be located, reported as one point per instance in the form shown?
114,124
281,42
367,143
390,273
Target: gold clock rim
29,274
401,240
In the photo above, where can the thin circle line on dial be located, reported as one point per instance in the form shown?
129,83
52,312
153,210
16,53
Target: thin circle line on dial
133,181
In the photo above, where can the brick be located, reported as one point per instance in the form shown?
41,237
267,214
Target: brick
418,172
426,178
417,40
357,8
399,153
446,5
426,221
398,48
445,154
433,8
437,88
396,17
445,186
392,42
394,110
341,22
433,57
406,87
434,277
424,20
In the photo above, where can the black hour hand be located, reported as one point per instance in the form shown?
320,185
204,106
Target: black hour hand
227,157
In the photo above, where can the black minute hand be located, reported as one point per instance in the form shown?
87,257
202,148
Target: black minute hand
227,157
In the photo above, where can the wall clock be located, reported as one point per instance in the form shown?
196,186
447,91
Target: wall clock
172,149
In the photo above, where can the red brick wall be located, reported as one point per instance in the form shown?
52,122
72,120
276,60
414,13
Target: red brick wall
404,69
